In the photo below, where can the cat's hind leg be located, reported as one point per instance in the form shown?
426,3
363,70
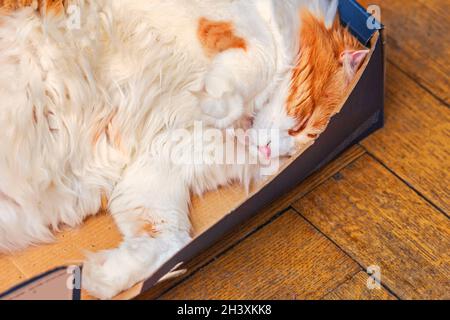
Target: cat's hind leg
150,207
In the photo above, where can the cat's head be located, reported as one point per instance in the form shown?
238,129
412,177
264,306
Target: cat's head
328,60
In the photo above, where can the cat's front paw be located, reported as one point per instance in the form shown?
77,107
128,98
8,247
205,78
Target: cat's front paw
108,273
217,83
222,113
212,107
103,275
221,102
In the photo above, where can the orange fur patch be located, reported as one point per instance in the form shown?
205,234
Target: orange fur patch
148,229
107,127
44,6
54,6
318,80
11,5
35,118
218,36
114,136
104,202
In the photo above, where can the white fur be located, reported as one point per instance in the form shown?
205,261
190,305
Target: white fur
141,62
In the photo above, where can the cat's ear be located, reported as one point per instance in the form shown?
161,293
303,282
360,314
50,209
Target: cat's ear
352,61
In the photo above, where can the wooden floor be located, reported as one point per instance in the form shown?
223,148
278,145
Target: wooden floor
384,204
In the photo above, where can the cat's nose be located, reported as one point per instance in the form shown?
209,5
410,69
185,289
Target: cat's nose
266,151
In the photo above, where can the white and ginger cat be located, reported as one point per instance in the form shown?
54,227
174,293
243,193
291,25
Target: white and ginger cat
89,110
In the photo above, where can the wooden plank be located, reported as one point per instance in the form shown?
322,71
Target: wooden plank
266,215
419,41
379,221
287,259
415,142
356,289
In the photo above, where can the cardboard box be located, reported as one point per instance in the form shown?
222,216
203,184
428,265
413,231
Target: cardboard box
216,213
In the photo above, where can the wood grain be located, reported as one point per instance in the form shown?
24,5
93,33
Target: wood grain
10,275
288,259
419,40
415,143
356,289
379,221
262,218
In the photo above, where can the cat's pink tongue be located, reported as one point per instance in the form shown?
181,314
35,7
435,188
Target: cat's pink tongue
266,151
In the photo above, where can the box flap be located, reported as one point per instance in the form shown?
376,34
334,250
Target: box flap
59,284
361,23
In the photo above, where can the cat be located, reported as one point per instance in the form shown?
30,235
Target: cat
90,118
328,60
